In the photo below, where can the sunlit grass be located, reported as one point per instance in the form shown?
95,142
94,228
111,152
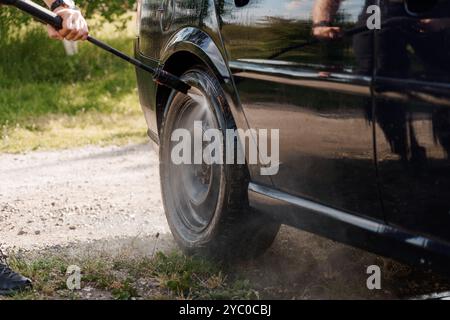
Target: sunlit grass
164,276
66,131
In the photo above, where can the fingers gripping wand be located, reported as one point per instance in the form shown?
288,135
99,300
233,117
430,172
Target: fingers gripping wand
46,16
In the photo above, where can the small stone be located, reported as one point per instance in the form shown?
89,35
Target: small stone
37,232
21,233
72,227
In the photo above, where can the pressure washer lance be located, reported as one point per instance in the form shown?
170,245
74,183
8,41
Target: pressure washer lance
45,16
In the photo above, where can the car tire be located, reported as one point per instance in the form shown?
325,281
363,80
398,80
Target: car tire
207,205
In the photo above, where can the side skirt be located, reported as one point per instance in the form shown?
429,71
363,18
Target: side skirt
358,231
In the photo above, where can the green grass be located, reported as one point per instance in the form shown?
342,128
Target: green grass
165,276
49,100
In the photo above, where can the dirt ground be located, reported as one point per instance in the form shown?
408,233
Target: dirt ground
106,199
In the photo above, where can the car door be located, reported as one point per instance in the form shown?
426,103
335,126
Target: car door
413,116
317,93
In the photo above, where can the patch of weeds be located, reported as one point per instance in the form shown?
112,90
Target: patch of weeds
165,276
124,290
47,273
196,278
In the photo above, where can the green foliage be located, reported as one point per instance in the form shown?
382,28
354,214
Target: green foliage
13,22
47,98
36,68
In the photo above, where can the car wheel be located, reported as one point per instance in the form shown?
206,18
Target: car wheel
207,205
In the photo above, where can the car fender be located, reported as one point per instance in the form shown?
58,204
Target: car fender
200,44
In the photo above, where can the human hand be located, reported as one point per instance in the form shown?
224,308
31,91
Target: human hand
327,33
74,26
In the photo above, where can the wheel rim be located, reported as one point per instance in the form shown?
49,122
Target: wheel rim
195,186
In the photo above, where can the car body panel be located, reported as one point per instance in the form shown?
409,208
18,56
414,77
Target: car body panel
412,100
147,93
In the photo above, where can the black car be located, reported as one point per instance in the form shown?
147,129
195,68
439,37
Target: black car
360,93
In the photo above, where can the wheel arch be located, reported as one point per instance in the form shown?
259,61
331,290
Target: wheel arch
185,49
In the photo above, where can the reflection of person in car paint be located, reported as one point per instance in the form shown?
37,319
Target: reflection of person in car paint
394,39
74,28
393,60
323,15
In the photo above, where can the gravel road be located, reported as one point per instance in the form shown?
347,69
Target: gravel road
77,196
109,197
